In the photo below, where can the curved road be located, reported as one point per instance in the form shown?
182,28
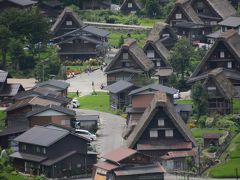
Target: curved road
110,131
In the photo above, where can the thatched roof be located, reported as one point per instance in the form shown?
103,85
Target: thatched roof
231,40
66,12
223,7
159,100
224,86
136,2
154,34
136,53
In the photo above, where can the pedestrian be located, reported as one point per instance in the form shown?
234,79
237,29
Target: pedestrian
92,83
88,72
77,93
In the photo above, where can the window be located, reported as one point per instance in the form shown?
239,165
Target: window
229,64
178,16
38,149
127,64
158,63
65,122
166,35
68,23
211,88
130,5
44,150
169,133
222,54
200,5
24,147
203,32
125,56
160,122
150,54
213,22
153,133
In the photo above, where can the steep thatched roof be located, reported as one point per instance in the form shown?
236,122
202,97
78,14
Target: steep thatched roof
223,7
154,34
136,53
66,12
159,100
231,40
224,86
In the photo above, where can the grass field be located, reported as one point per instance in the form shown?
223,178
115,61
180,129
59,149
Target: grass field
236,106
149,22
198,132
184,101
227,169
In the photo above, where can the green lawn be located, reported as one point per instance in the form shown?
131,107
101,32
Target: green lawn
198,132
114,37
236,105
149,22
227,169
184,101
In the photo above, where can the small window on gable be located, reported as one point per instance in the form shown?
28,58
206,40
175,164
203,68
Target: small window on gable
130,5
169,133
44,150
161,122
200,5
158,63
68,23
150,54
153,133
178,16
125,56
222,54
229,64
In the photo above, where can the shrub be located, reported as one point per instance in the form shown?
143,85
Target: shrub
202,121
212,149
209,122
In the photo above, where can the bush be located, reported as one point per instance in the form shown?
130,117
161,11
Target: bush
209,122
202,121
212,149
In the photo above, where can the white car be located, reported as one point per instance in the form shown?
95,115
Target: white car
86,134
75,103
177,95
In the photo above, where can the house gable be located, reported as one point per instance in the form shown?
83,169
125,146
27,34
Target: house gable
130,6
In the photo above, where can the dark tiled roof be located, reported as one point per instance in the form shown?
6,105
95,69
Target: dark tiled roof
119,154
119,86
95,31
28,157
53,107
211,135
23,2
178,154
154,87
136,53
231,22
67,11
50,162
142,169
214,35
42,136
159,100
13,130
52,82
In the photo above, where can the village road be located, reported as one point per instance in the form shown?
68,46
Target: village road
110,131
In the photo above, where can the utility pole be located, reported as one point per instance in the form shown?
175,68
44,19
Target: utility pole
236,173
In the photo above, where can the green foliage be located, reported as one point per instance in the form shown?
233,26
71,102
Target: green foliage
212,149
198,132
200,100
180,57
2,119
202,121
152,8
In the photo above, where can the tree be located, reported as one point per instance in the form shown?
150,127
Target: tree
200,99
180,57
152,8
121,41
4,42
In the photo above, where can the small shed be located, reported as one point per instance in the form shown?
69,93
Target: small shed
211,139
88,121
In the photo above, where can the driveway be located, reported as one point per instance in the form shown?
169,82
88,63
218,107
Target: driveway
83,82
110,131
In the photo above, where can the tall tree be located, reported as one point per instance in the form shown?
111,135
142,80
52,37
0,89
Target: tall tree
180,57
4,43
200,99
152,8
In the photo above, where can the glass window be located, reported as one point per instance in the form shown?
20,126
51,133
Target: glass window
130,5
150,54
179,16
38,149
24,147
125,56
160,122
44,150
158,63
68,23
169,133
229,64
222,54
65,122
153,133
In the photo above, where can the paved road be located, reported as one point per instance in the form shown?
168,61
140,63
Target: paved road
110,131
83,82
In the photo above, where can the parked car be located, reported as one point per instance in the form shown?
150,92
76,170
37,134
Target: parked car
75,103
86,134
